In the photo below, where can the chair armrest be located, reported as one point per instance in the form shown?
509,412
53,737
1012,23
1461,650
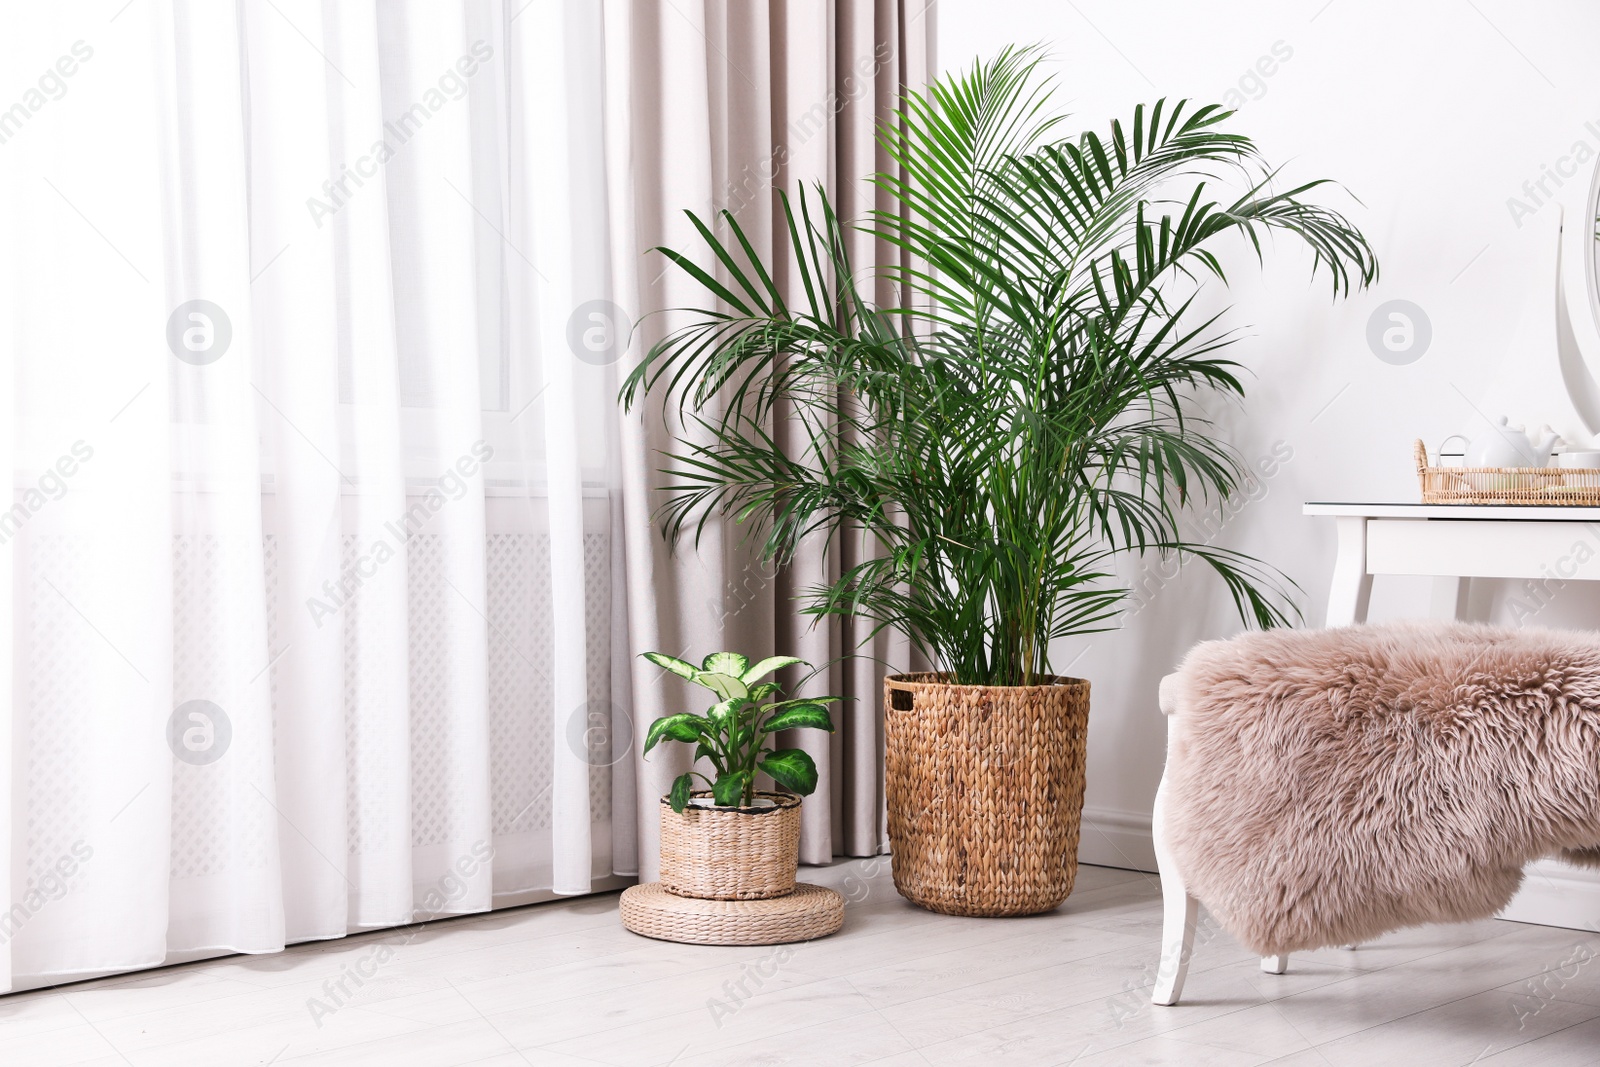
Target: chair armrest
1169,695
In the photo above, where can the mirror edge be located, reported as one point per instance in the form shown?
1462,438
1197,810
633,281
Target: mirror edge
1578,282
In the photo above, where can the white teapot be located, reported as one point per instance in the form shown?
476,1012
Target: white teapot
1504,445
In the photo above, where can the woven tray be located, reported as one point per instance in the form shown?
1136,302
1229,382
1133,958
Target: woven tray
809,912
1546,486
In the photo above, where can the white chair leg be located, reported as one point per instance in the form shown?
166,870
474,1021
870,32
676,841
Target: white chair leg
1275,964
1179,911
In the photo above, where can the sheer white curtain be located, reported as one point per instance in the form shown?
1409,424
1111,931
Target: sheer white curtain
310,583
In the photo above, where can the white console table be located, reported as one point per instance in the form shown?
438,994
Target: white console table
1454,543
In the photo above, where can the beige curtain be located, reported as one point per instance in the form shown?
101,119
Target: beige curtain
716,104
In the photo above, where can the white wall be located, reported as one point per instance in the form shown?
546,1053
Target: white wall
1434,115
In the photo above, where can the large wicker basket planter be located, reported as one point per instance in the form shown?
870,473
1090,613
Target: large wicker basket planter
985,792
731,853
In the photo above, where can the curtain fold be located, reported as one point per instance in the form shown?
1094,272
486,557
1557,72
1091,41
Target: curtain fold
727,103
377,706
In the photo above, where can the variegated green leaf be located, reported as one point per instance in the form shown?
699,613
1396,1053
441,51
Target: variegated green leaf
730,663
768,665
682,786
682,727
671,663
728,790
725,686
814,716
794,701
792,769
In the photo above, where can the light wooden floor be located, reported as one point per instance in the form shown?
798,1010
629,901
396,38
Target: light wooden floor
562,985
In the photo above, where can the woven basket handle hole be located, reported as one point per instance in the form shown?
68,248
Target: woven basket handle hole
901,699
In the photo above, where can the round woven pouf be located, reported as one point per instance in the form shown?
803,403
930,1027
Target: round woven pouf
809,912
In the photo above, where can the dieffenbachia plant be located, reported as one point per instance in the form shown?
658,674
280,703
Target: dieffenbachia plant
733,733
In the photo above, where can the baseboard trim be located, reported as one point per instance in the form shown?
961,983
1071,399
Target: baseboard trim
1555,893
599,884
1113,838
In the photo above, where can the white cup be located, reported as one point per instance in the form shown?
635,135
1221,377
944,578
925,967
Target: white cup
1586,460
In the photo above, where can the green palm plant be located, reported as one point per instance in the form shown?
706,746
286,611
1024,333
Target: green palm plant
1024,412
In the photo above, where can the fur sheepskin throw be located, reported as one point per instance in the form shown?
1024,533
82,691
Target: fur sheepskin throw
1329,786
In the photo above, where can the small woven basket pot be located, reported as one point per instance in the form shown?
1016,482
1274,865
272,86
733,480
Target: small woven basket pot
985,792
731,853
